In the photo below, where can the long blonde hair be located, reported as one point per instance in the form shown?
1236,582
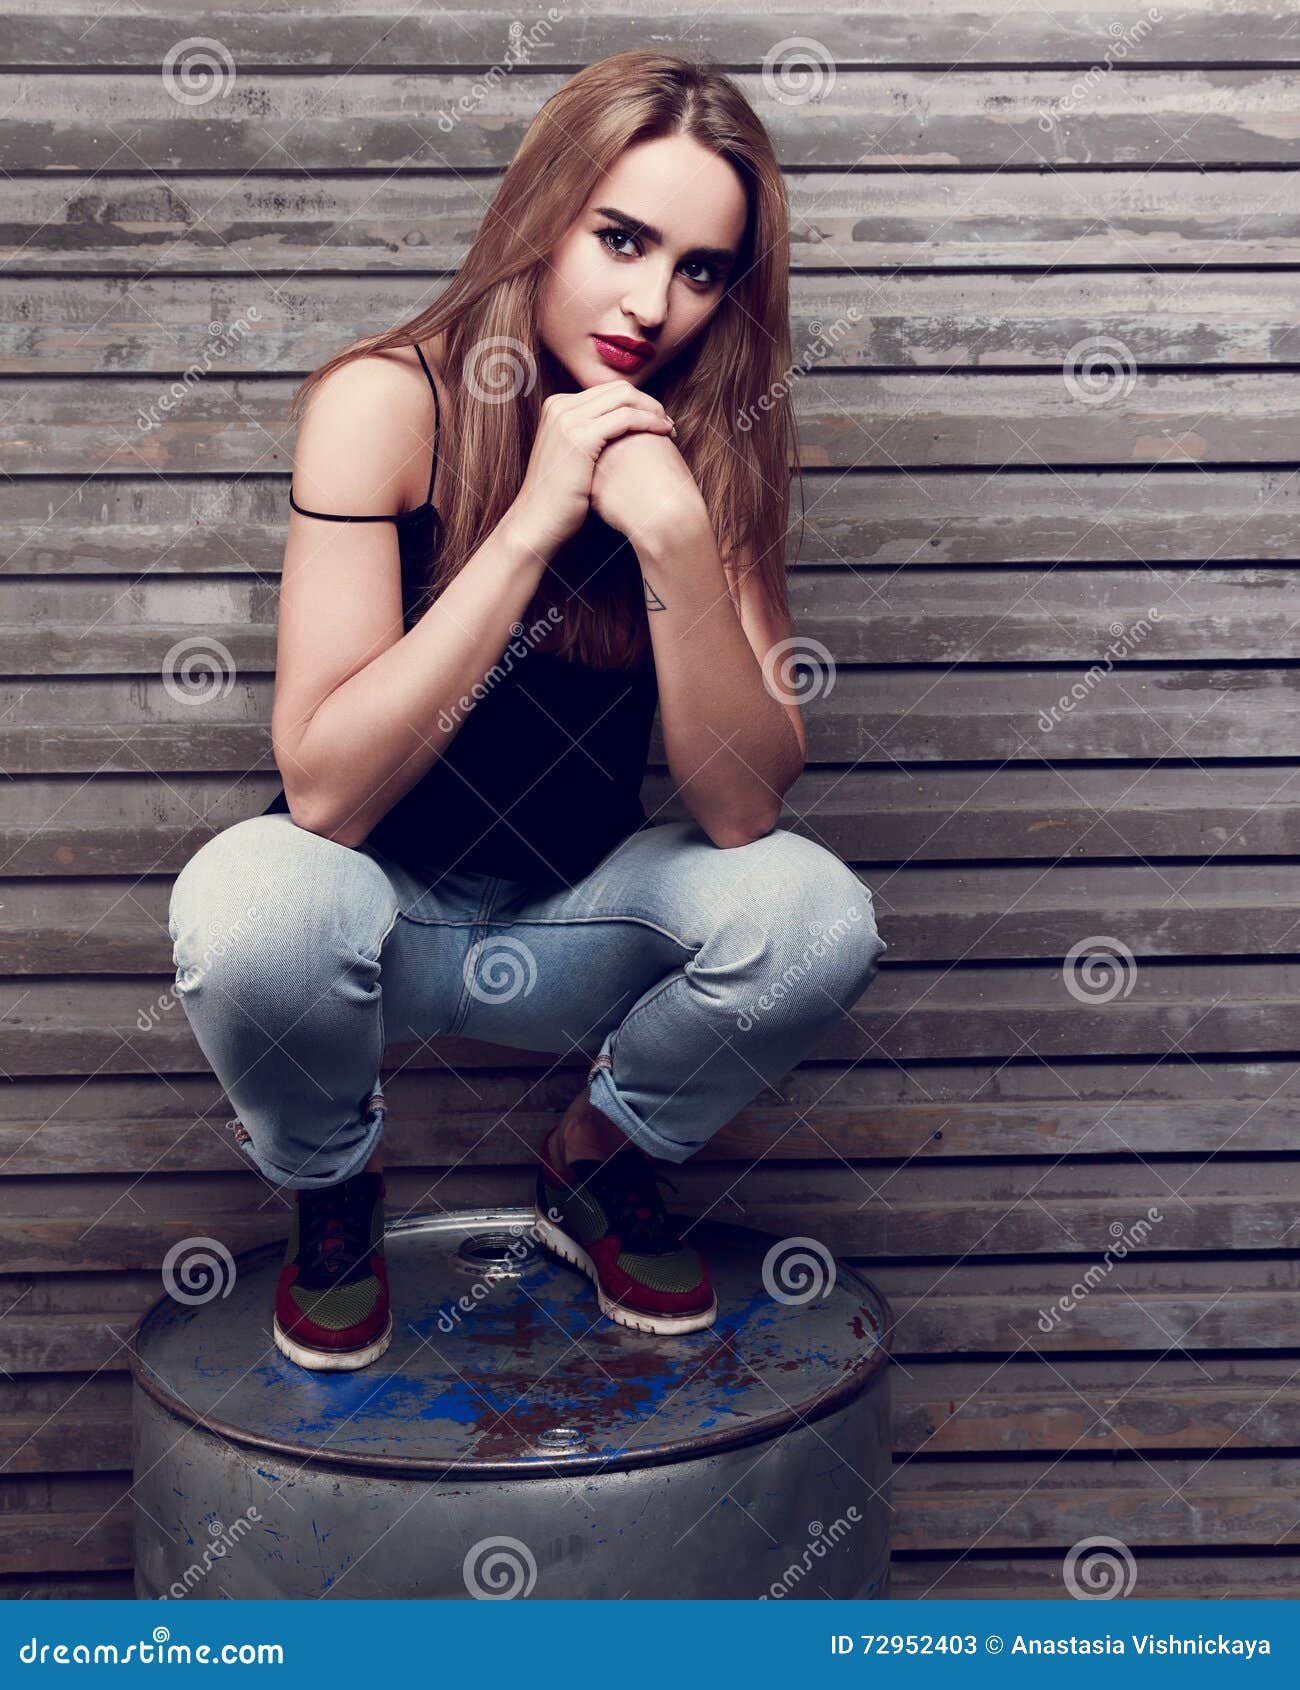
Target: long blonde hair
741,357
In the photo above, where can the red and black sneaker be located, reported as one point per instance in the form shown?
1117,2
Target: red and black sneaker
608,1218
331,1302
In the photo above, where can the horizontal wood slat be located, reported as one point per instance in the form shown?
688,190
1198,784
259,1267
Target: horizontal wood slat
735,32
847,421
873,1110
162,526
237,327
386,121
414,223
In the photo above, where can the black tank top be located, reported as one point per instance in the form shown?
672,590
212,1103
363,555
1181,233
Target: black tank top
543,777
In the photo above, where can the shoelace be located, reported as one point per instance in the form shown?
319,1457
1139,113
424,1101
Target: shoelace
640,1217
334,1227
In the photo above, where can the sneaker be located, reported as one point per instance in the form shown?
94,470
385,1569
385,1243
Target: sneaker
608,1218
331,1302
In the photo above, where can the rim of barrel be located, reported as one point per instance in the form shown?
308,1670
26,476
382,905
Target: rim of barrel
849,1385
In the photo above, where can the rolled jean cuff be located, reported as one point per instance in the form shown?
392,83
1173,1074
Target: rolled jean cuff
603,1094
295,1179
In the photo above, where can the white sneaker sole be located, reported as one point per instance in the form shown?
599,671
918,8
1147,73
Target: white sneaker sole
331,1361
570,1251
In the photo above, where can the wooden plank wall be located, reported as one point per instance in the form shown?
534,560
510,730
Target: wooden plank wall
994,187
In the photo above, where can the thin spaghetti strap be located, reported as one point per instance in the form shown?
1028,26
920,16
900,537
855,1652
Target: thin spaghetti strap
437,420
330,516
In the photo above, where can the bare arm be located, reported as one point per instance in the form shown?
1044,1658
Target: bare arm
361,709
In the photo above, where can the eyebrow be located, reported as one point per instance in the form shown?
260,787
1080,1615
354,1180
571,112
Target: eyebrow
720,255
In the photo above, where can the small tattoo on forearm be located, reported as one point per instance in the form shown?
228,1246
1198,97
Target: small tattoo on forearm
652,599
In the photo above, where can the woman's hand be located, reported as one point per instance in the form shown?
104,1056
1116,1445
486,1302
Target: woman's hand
643,487
575,430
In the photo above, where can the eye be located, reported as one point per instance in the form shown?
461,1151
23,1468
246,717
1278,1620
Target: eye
708,280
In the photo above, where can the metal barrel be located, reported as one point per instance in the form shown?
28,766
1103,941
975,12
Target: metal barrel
514,1441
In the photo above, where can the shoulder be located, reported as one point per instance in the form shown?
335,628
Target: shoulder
354,441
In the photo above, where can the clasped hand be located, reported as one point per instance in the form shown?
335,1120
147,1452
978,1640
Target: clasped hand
641,485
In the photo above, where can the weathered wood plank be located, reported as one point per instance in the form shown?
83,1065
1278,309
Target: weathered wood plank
117,1124
231,327
1207,1577
847,421
132,824
97,627
330,35
857,520
1032,1504
205,714
397,120
936,1211
933,915
422,224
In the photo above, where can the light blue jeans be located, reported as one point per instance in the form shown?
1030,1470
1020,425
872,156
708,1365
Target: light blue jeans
691,975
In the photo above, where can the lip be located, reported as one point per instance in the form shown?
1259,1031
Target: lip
621,352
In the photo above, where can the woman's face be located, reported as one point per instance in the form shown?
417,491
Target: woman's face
654,274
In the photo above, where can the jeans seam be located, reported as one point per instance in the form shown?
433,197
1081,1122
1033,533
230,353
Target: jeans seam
478,924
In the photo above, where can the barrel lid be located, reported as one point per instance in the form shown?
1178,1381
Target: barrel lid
502,1363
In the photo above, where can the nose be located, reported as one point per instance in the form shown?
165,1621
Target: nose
647,298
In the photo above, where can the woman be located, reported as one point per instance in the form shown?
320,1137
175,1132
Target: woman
487,588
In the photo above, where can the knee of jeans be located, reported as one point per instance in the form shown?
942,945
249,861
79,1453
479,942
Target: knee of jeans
816,908
266,902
